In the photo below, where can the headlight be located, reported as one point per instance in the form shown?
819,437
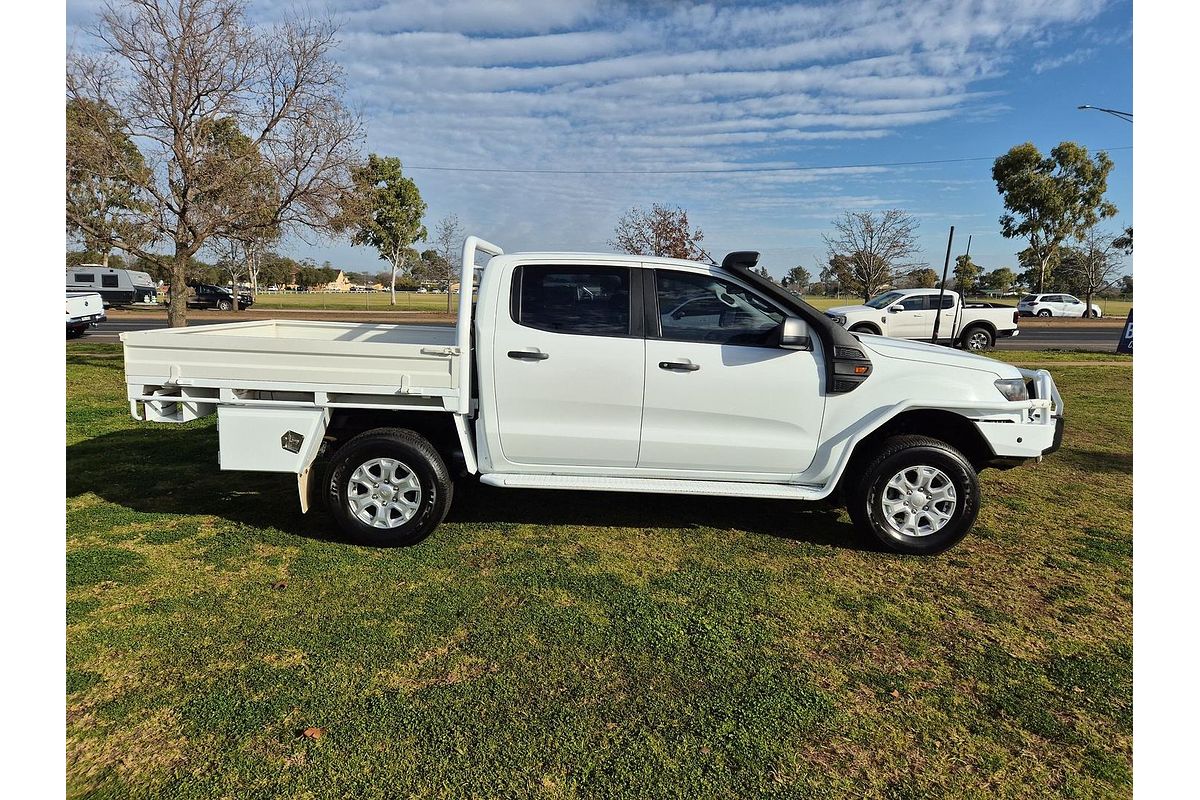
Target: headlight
1013,389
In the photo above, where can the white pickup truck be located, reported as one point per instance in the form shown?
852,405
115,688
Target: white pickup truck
910,314
604,372
83,310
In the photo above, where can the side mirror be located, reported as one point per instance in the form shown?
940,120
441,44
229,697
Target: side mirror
896,309
794,334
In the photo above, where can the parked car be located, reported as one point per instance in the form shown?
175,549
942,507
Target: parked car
207,295
117,287
545,386
84,309
910,314
1055,305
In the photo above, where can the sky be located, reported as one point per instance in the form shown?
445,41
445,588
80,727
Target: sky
712,106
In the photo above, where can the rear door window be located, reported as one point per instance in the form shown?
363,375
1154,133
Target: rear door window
592,301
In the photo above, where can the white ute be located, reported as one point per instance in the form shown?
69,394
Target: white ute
910,314
604,372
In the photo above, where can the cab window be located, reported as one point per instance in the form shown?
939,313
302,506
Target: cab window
592,301
915,303
693,307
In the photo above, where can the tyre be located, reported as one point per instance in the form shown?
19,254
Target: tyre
1045,312
977,338
918,496
864,329
387,487
224,305
1094,314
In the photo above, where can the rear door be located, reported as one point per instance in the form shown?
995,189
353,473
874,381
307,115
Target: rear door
568,364
719,397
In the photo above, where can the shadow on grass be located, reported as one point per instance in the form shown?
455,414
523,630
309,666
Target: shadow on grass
1096,460
173,470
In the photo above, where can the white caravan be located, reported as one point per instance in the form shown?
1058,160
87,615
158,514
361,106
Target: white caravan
118,287
604,372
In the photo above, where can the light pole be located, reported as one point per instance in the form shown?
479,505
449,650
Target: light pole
1125,115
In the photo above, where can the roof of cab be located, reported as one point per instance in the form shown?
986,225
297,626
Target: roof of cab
621,257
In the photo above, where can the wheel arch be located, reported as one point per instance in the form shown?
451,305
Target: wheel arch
345,423
945,426
866,327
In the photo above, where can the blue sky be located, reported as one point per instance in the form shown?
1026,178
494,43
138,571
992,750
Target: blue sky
659,85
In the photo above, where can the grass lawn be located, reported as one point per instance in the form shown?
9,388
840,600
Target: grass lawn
364,301
588,645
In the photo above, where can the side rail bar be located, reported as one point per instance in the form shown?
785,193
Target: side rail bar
466,289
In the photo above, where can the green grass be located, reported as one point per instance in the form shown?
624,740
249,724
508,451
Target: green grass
588,645
365,301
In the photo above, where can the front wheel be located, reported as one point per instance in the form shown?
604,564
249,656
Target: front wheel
919,496
224,305
1094,314
389,486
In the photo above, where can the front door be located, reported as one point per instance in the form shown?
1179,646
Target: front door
568,363
719,397
910,318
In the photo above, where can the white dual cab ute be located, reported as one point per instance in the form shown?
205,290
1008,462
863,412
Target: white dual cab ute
603,372
911,313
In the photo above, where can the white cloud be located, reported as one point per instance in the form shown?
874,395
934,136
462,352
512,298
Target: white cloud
603,84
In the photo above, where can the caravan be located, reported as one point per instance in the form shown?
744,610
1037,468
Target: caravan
118,287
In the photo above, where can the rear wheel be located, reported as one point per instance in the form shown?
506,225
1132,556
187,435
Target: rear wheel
1045,312
871,329
977,338
224,305
389,486
919,496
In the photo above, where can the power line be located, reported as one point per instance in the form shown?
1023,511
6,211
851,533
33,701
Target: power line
734,170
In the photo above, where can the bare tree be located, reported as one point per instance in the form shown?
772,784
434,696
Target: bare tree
868,249
448,237
657,231
218,108
1094,265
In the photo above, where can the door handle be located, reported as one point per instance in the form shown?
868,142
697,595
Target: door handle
528,355
678,366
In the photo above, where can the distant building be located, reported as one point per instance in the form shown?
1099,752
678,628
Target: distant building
339,284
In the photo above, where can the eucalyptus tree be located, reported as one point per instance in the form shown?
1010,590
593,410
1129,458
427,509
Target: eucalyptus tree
1049,199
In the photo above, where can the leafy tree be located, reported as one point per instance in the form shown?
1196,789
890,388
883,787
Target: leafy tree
657,231
385,212
1124,242
1094,264
797,280
77,258
1051,199
830,280
966,275
998,280
761,271
872,247
185,72
105,170
924,278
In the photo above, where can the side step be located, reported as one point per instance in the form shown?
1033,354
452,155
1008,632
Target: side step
656,486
